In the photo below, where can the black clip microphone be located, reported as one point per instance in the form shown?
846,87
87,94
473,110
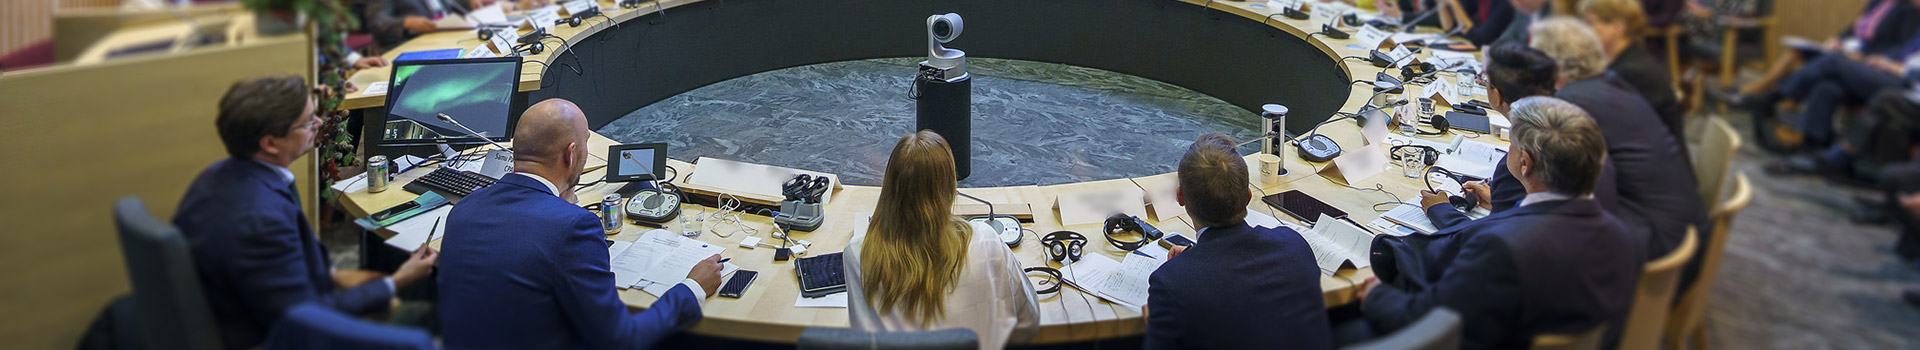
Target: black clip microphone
1330,32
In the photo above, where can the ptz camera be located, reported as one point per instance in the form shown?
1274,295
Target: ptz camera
944,28
944,63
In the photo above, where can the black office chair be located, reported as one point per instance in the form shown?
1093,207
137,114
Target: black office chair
316,327
1439,329
816,338
171,309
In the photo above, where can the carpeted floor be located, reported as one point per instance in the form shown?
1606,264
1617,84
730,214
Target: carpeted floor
1797,274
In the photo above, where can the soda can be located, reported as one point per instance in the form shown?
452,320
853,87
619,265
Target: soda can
377,170
612,216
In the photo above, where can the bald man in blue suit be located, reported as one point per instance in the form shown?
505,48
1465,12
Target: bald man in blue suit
524,268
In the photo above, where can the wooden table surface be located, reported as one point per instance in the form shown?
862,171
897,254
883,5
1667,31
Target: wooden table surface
766,311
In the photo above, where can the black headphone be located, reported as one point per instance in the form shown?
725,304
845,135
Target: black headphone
806,188
1063,246
1121,222
1429,155
1050,272
1440,125
1463,202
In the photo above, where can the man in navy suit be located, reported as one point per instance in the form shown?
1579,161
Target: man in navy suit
1514,71
526,268
1204,296
1551,265
251,244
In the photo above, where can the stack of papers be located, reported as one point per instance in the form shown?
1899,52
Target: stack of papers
410,234
1410,215
1123,283
1336,243
658,261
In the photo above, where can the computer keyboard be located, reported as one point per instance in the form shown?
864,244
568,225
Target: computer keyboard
450,182
821,275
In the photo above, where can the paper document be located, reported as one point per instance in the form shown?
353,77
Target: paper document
676,264
1259,219
1409,214
1472,158
1389,228
635,261
494,15
375,89
1128,284
835,300
452,22
1336,243
351,184
409,234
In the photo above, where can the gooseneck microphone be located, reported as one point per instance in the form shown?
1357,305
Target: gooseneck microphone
449,119
990,222
1408,26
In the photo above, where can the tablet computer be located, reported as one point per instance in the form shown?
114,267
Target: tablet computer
1302,206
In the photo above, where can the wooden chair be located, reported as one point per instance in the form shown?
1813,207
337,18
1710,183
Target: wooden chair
1688,323
1585,340
1762,36
1670,36
1653,299
1713,158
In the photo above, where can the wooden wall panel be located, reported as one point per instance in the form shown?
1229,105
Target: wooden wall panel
80,137
1816,19
23,22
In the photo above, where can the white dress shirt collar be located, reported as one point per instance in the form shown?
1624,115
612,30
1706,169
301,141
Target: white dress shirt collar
285,174
1538,197
543,181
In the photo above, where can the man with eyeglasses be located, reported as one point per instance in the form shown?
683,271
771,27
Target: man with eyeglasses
252,246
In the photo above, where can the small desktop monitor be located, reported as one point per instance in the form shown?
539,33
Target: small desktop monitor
477,92
636,162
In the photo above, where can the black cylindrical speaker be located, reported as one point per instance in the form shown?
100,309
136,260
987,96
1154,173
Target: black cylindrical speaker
946,107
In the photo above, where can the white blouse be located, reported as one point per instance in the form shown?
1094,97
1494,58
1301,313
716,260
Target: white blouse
992,297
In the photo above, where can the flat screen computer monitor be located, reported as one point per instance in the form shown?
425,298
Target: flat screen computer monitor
636,162
477,92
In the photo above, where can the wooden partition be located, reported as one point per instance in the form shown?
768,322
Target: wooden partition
76,138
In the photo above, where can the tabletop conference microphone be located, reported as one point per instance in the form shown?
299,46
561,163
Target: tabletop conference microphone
993,222
449,119
1408,26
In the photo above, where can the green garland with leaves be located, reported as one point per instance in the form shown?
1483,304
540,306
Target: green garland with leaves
331,22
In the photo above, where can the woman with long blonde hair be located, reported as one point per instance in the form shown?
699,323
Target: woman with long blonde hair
918,267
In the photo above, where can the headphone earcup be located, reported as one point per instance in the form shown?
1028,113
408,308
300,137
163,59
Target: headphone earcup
1073,250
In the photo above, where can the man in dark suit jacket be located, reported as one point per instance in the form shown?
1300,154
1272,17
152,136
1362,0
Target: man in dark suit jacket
1551,265
1657,193
1514,71
525,268
1203,296
393,22
252,246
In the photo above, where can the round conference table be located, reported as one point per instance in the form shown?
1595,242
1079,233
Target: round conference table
1230,50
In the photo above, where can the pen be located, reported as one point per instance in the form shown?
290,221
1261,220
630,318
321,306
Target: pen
432,232
645,224
724,260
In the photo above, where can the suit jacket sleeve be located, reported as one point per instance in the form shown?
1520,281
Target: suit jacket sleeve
1446,215
273,274
1163,310
386,20
584,288
1482,285
1498,19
